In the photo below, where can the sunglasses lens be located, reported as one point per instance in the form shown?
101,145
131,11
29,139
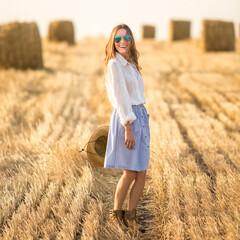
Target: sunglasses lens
117,39
127,38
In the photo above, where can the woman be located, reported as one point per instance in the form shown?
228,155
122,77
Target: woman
129,134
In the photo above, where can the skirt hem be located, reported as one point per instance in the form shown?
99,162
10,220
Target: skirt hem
125,168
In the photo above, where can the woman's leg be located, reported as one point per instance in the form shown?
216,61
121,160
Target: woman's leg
122,188
137,189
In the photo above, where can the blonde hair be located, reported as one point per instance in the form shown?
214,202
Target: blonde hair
110,49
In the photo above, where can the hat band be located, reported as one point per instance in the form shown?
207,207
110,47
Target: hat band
83,149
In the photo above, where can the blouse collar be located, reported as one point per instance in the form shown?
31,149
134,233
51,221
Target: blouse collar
122,60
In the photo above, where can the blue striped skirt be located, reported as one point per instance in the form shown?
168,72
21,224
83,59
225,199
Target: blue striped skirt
117,154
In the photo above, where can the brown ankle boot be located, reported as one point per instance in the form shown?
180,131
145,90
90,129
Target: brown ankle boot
130,219
117,216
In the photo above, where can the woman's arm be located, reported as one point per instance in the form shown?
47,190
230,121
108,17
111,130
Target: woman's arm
119,89
117,82
129,137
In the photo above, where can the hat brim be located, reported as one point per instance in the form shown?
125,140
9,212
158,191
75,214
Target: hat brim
97,145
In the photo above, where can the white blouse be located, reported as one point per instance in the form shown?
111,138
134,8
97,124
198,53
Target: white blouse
125,87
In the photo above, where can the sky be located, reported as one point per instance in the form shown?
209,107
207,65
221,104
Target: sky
99,17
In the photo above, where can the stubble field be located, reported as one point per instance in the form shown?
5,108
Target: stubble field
49,190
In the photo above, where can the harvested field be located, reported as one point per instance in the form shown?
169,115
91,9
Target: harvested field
50,191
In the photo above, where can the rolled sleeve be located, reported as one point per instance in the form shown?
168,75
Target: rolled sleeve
130,117
120,93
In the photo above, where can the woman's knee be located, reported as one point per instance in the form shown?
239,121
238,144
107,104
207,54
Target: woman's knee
129,175
142,174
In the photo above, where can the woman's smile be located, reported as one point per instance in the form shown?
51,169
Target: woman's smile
122,47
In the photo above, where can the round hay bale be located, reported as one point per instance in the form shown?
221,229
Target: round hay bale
179,30
20,45
61,31
148,31
217,35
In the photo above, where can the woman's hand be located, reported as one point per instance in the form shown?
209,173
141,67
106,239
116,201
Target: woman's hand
129,138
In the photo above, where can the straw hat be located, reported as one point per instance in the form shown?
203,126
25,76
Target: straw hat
97,145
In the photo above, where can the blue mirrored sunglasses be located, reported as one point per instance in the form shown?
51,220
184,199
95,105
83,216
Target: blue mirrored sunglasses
126,38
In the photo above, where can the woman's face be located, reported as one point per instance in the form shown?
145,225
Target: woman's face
122,47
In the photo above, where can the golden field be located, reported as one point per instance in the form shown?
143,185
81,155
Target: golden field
49,190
